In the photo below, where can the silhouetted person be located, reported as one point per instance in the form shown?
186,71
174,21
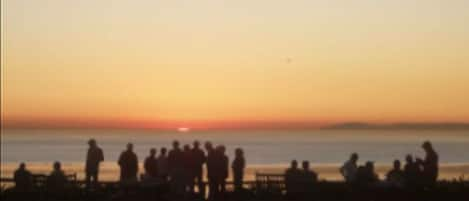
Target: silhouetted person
176,168
349,169
188,172
93,158
292,178
430,164
221,171
308,175
163,165
366,174
56,181
23,179
238,165
411,171
128,163
396,176
198,161
211,168
151,165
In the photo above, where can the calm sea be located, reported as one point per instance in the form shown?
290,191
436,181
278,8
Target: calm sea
261,147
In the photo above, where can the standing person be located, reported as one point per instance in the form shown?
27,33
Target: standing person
198,162
23,179
188,173
222,165
238,165
163,166
211,168
93,158
349,169
151,165
430,164
176,168
128,163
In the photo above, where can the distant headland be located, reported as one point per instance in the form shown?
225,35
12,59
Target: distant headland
399,126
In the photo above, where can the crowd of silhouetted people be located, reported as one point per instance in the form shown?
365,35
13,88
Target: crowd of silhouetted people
182,169
416,172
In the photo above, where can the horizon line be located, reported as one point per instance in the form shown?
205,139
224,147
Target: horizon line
201,125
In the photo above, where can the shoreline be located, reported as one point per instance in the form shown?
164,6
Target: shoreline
109,171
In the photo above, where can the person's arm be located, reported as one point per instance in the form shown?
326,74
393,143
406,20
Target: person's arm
342,170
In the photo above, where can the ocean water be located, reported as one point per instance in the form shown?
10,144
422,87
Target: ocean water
260,147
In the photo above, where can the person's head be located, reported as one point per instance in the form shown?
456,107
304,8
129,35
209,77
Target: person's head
22,166
354,157
294,164
176,144
409,159
57,165
152,152
92,142
370,166
305,165
163,151
221,149
208,146
427,146
239,152
196,144
397,164
187,147
130,147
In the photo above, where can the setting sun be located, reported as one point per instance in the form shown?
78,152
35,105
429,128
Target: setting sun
183,129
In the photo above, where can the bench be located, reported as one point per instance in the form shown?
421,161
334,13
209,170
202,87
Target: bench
270,183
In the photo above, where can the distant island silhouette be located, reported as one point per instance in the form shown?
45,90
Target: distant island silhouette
399,126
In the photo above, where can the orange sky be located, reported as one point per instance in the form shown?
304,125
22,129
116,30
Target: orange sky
243,64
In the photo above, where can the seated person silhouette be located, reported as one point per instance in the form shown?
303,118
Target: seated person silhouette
308,177
366,174
23,179
292,178
350,168
411,171
395,177
57,180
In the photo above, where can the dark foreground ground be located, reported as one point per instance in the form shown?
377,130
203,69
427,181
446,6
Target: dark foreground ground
323,191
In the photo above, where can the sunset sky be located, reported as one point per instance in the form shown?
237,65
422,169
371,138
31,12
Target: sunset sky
243,63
